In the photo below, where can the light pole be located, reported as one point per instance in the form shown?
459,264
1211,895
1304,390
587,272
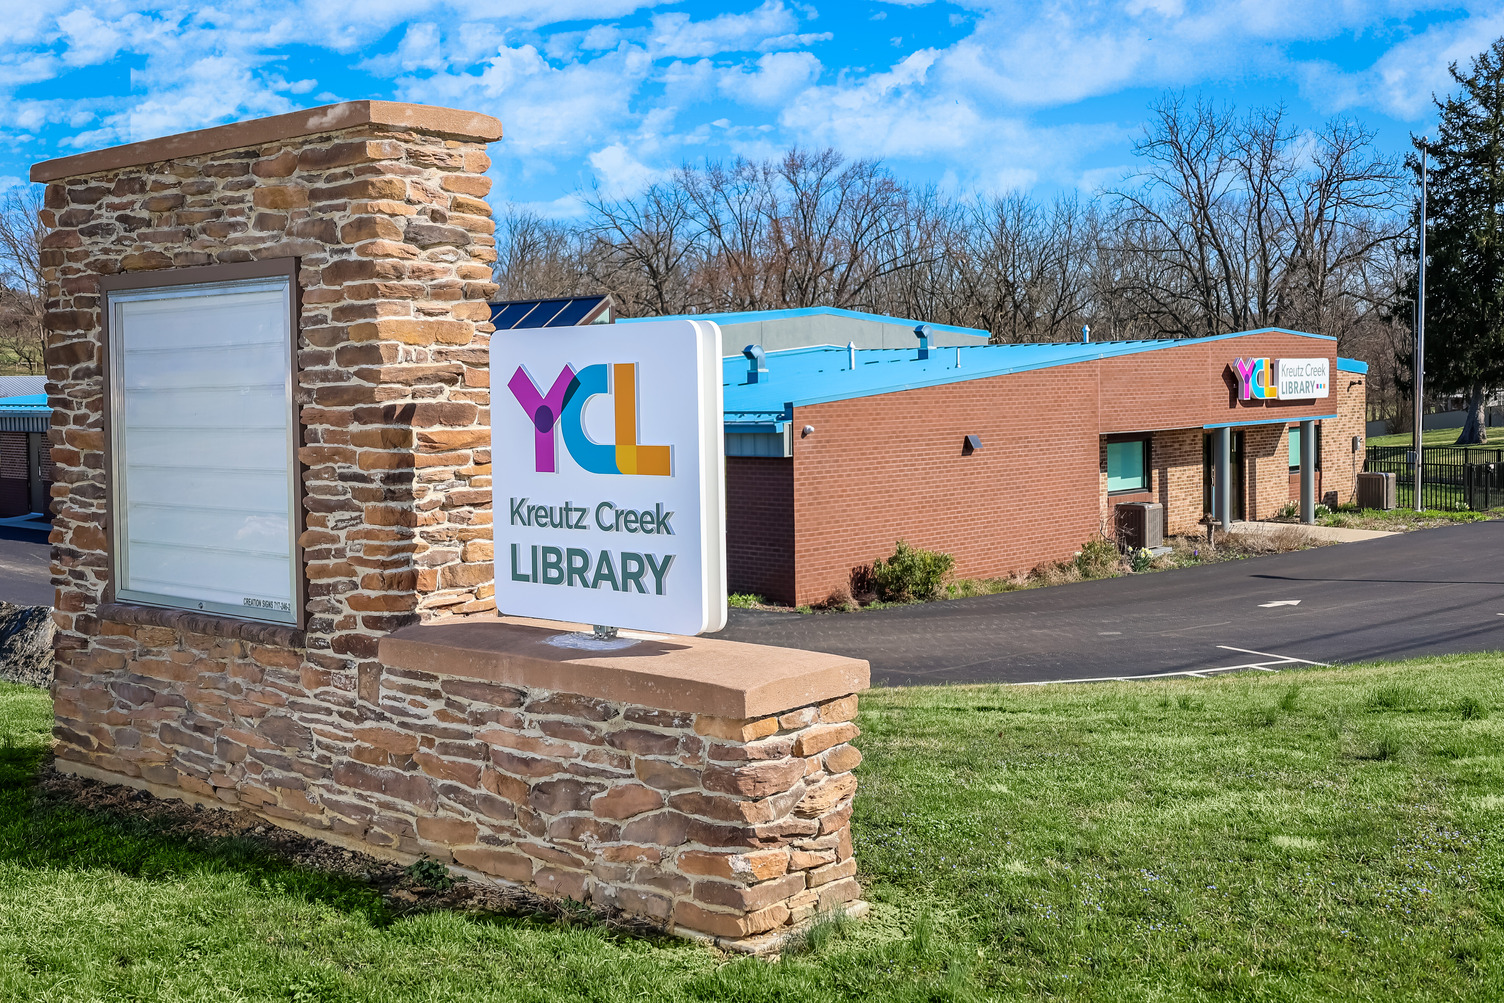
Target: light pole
1420,330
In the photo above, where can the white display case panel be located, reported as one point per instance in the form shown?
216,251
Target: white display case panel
204,457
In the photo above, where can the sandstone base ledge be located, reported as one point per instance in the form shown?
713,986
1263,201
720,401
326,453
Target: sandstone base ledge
700,786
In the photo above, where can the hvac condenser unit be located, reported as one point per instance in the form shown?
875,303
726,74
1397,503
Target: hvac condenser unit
1380,491
1141,524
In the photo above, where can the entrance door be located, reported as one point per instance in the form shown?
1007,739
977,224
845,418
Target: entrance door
1209,473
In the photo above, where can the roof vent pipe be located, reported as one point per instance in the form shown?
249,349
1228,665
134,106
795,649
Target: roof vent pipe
851,355
1086,333
922,332
757,364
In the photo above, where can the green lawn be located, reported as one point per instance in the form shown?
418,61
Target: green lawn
1320,835
1436,437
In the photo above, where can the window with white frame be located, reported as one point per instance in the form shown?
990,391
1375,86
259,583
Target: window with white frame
204,443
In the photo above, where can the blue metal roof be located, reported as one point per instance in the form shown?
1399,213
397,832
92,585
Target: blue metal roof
817,375
25,404
754,316
1351,365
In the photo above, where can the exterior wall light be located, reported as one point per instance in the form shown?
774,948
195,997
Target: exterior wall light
973,444
806,431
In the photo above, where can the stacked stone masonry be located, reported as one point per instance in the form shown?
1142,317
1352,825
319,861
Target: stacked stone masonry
394,246
719,827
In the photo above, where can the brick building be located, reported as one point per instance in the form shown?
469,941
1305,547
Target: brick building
1009,456
25,463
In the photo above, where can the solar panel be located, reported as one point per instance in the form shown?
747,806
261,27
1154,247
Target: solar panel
560,312
507,315
574,311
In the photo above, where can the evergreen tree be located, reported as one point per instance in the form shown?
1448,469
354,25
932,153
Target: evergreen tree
1465,241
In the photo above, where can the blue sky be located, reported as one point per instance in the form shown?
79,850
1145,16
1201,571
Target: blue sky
612,93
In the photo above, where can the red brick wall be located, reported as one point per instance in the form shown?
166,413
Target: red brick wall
877,469
760,526
1340,463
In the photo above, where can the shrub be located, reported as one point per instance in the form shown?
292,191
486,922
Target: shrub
1097,559
744,600
912,574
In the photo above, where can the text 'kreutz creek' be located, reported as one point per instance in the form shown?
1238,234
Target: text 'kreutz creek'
605,516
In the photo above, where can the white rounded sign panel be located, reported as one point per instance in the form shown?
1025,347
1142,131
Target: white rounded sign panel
608,470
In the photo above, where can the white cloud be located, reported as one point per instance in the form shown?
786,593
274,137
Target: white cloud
774,78
546,109
677,35
1401,82
619,172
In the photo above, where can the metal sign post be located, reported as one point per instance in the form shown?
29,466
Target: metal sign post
1420,334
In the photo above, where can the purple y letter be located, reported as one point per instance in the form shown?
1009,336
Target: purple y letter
1244,368
543,411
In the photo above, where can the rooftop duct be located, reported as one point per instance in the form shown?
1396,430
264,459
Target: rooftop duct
757,364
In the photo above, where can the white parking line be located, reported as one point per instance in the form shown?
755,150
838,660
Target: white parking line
1271,663
1279,658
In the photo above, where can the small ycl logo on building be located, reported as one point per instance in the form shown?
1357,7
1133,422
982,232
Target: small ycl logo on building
1282,379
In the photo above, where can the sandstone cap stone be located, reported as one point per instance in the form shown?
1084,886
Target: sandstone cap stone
701,675
449,122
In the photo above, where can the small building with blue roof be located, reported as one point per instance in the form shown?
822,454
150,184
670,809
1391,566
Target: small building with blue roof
1010,456
25,461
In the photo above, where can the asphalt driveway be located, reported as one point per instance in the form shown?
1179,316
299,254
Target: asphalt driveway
1428,592
25,567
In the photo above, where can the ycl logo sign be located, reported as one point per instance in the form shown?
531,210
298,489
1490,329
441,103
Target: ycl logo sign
1282,379
623,526
564,407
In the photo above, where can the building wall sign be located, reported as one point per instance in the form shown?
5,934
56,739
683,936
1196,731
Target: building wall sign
608,474
1283,379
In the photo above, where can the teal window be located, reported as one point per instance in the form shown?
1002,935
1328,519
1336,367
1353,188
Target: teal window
1295,447
1128,465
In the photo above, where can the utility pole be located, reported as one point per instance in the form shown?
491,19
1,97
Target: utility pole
1420,330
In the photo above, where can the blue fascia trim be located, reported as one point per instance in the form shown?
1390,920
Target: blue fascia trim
1351,365
1272,421
754,316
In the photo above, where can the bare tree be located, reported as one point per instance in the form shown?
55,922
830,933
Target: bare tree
1237,223
1234,222
22,290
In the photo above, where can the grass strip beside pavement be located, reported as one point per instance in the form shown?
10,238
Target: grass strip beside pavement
1333,834
1437,437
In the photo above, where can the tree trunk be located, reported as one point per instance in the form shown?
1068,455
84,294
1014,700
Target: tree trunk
1475,427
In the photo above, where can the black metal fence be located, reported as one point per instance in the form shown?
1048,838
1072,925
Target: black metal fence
1452,477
